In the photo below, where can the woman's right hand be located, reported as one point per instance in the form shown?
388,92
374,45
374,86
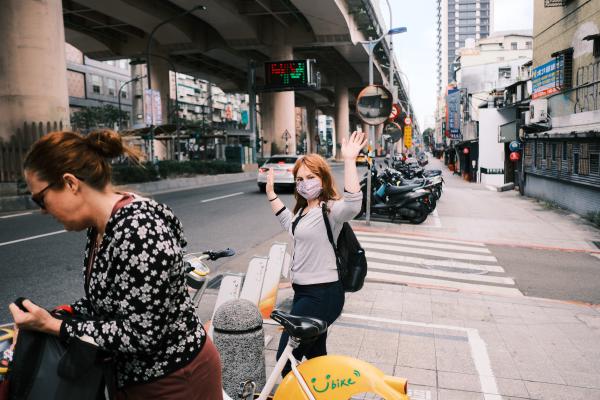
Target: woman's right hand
270,188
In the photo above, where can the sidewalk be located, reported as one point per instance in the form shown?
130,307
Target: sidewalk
504,218
455,345
18,203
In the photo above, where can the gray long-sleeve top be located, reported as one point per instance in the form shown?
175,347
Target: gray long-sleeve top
314,260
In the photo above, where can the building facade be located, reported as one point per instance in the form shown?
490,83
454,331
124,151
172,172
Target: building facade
562,129
92,83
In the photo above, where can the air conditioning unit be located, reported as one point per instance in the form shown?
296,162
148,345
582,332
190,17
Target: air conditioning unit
538,111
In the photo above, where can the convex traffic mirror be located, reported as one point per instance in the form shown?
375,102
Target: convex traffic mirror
374,104
393,131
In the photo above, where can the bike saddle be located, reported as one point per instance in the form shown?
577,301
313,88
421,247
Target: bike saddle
392,190
299,327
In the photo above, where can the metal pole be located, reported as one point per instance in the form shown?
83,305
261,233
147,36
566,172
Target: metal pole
370,47
119,96
252,105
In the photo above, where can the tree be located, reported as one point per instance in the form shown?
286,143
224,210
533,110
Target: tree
428,137
97,117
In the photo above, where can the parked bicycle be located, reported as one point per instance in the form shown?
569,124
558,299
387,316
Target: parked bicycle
197,270
330,377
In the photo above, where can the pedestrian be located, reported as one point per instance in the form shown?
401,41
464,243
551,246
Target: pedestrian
318,292
136,305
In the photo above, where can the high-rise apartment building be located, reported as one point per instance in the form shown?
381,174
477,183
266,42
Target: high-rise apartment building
457,21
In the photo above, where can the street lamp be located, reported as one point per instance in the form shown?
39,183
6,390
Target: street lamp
148,60
137,78
370,46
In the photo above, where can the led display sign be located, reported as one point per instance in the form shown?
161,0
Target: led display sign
290,75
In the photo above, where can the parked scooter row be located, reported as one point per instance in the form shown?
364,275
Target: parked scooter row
406,194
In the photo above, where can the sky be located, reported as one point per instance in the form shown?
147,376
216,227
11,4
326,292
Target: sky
416,49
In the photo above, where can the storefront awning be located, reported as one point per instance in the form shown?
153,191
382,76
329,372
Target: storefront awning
578,131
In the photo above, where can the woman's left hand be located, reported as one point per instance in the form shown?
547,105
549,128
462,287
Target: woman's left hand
352,146
36,318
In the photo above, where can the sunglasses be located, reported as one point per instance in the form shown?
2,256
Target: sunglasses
38,198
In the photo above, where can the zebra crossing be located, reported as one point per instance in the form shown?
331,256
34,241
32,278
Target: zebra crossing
433,262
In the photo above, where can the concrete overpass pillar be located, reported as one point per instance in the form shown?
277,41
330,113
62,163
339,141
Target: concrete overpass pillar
278,112
33,72
378,135
342,118
161,82
311,123
364,127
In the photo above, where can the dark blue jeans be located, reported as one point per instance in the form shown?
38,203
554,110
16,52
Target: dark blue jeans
324,301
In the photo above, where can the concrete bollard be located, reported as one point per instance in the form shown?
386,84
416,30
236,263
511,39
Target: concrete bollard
240,339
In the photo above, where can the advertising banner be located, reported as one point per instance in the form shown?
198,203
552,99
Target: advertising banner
453,126
152,107
548,78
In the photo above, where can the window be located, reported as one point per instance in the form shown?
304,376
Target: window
96,84
124,93
553,151
111,85
514,46
528,45
504,73
595,163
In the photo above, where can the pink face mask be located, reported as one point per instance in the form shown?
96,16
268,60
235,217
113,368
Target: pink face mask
310,189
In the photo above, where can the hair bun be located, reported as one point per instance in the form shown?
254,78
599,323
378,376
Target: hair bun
106,142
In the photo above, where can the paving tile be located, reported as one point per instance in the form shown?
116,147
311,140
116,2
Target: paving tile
417,376
456,381
547,391
446,394
582,379
380,347
454,356
416,352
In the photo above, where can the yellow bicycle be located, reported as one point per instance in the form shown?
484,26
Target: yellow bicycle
331,377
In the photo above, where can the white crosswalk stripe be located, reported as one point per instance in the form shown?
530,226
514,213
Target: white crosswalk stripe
434,262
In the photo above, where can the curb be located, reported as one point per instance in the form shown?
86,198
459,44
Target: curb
23,202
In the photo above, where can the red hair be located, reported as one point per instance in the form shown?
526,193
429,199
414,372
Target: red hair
318,166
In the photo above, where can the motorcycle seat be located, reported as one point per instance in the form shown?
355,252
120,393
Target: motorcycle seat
392,190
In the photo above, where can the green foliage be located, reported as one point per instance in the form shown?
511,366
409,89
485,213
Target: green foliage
97,117
594,218
125,174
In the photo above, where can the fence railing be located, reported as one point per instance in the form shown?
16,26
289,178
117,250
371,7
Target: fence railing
13,150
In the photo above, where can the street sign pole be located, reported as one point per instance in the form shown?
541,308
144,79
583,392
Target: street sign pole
370,47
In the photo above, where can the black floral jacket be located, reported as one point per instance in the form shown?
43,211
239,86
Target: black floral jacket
136,303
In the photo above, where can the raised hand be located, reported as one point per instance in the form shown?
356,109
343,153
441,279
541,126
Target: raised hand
352,146
270,188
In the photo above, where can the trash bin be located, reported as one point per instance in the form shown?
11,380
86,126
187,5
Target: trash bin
240,339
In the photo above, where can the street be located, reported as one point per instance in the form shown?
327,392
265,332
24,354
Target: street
496,243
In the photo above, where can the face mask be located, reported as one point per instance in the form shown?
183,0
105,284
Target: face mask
309,188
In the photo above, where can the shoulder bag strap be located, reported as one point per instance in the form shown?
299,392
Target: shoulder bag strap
329,233
295,222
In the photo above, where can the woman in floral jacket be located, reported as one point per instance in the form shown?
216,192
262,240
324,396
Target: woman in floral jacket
136,304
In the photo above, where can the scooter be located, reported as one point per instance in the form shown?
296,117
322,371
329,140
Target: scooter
405,203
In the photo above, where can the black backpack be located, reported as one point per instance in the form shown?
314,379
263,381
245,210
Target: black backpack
349,255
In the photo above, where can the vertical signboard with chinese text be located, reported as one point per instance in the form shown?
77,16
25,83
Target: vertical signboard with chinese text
453,125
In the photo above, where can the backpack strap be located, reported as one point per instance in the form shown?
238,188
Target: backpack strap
328,226
295,222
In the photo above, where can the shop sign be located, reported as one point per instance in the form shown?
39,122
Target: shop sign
408,136
548,78
492,171
453,116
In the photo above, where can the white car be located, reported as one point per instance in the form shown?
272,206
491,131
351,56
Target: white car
283,165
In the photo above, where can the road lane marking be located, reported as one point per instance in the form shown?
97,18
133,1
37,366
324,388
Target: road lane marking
433,263
32,237
481,359
420,238
222,197
442,274
441,283
427,252
410,242
16,215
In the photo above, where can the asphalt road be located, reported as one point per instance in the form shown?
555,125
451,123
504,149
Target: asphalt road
48,269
